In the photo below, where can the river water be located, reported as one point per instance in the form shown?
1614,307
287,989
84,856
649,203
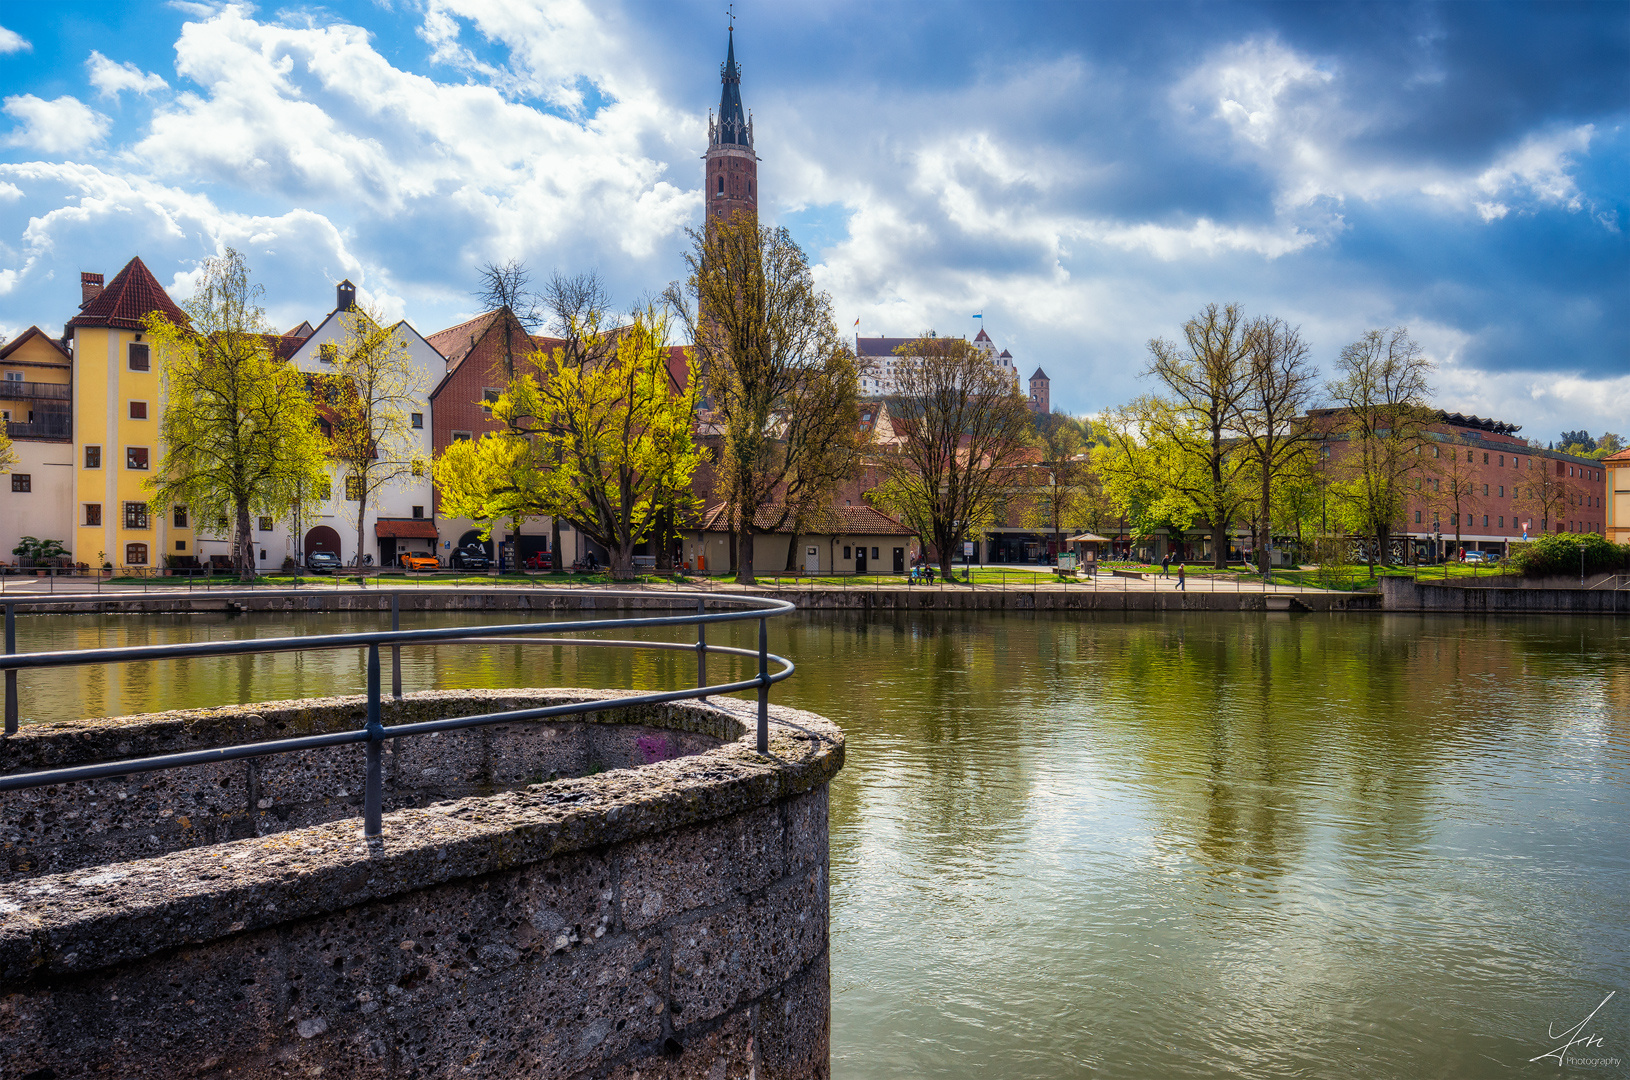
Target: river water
1146,846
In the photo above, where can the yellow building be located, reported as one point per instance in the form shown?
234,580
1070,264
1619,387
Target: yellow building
1618,496
117,405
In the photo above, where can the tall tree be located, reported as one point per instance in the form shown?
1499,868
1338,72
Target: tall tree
1452,472
965,429
1062,497
577,307
1207,384
1272,414
1383,397
370,397
771,362
238,429
508,286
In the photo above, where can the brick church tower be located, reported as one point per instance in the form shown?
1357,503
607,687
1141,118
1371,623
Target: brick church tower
732,167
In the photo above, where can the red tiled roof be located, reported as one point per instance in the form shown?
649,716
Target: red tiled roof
455,342
833,521
128,298
417,528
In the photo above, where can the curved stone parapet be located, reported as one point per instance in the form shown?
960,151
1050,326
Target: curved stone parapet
664,915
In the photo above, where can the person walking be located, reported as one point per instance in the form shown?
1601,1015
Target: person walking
1180,578
1165,563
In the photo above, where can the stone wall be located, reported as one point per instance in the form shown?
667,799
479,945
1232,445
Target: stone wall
651,920
1402,594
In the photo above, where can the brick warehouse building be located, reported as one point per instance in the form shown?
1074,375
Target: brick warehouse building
1494,465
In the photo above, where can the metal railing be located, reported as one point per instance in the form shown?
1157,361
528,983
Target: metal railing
373,733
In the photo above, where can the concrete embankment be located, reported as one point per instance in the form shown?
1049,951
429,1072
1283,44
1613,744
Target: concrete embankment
1046,597
655,906
1403,594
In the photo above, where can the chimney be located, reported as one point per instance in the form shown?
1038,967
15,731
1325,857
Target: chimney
90,287
345,296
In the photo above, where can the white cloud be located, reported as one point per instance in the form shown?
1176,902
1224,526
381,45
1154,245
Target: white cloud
110,78
63,126
1294,117
11,41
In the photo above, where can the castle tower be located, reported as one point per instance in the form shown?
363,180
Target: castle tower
732,167
1041,393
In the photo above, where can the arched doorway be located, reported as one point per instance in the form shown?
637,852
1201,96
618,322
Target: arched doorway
322,538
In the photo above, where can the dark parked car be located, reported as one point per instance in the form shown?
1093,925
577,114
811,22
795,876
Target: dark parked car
470,557
322,562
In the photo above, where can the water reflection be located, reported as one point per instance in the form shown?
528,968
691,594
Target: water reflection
1143,846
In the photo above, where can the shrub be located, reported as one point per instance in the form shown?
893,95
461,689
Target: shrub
1557,554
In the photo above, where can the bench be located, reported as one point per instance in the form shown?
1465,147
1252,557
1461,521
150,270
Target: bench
1135,575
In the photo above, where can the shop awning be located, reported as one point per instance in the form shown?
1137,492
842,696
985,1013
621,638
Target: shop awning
403,528
1087,538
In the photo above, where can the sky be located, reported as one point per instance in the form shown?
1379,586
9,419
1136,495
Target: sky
1084,176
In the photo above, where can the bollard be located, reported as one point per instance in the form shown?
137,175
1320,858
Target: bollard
701,647
396,650
763,687
11,673
373,797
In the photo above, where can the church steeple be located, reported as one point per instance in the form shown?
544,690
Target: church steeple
732,167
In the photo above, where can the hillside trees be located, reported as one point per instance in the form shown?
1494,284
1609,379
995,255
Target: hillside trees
238,430
964,429
1383,393
779,380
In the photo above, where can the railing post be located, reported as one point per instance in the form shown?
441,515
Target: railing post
373,795
701,647
763,686
396,650
11,673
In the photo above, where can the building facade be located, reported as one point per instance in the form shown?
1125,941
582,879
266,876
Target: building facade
1617,493
117,402
879,360
36,406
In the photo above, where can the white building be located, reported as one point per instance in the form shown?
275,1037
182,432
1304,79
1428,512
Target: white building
398,518
878,358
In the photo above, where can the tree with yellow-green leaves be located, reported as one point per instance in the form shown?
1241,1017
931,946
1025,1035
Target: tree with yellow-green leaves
369,400
239,431
598,434
8,456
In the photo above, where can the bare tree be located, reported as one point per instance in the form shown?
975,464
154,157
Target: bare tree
507,286
1208,384
1454,485
1271,413
1384,411
1544,493
771,361
965,429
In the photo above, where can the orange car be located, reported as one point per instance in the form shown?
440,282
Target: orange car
420,562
